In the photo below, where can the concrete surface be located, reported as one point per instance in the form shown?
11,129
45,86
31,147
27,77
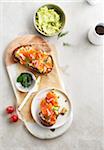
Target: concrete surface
82,71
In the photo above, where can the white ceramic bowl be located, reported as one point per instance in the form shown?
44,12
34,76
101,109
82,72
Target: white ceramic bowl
62,119
21,88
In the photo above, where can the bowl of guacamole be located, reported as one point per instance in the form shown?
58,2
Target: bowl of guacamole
49,20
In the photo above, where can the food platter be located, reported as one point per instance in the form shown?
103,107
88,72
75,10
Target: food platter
53,80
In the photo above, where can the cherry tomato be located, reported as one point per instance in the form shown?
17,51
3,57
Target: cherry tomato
14,118
10,109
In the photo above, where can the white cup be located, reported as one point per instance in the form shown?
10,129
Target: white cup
94,37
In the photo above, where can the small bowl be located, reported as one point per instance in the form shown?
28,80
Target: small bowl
63,102
21,88
59,11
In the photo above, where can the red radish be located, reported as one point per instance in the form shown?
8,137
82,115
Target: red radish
14,118
10,109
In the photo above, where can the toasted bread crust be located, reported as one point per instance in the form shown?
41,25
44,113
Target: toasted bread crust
33,68
44,121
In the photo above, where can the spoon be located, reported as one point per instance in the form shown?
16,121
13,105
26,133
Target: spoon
34,89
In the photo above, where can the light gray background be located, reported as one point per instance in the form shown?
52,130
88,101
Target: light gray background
82,71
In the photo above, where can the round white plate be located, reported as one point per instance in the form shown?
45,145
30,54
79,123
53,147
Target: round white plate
63,102
42,133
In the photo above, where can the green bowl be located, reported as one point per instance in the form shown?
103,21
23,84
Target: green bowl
62,19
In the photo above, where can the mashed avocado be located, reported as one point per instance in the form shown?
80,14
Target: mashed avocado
48,20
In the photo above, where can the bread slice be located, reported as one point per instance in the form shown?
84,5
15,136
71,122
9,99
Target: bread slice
45,121
48,61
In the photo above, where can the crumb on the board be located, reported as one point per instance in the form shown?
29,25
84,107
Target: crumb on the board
63,111
66,100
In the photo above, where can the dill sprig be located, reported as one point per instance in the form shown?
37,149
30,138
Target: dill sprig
61,34
66,44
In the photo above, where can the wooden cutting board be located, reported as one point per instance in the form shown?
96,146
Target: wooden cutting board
53,79
14,69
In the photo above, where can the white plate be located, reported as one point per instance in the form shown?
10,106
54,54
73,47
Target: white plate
44,133
62,119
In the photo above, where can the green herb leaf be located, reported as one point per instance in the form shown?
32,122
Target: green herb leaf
27,60
19,79
61,34
56,108
66,44
25,79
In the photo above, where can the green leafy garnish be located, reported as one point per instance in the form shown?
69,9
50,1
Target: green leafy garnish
25,79
45,61
19,79
61,34
56,108
27,60
66,44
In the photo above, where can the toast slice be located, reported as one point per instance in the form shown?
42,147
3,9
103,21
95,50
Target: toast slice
46,121
49,109
37,60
